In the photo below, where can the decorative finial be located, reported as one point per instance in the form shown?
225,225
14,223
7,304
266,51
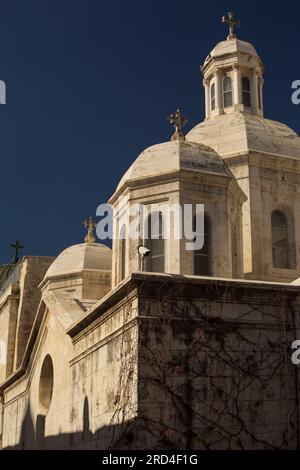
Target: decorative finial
90,225
179,121
229,19
17,247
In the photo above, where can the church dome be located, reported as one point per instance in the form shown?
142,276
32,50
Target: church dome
243,132
173,156
232,46
77,258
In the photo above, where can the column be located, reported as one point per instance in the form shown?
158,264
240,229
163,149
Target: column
260,89
206,83
219,101
236,84
254,93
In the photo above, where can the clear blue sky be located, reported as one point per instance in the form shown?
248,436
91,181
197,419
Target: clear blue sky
89,84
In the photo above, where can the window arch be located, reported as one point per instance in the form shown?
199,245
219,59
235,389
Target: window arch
155,262
122,252
246,92
280,242
227,91
202,257
213,97
46,384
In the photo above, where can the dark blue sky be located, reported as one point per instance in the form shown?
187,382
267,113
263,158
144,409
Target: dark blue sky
89,84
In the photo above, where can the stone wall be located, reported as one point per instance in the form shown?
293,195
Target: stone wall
165,361
32,271
91,384
215,368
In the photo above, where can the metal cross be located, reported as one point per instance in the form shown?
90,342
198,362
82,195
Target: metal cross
90,225
229,19
179,122
17,247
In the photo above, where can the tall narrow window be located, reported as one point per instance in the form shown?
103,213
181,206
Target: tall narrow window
213,97
280,245
122,252
155,262
227,91
46,384
234,250
246,92
259,94
202,258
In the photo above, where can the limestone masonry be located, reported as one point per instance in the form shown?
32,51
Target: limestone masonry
194,351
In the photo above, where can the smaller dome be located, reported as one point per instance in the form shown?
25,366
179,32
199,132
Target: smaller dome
76,258
231,46
174,156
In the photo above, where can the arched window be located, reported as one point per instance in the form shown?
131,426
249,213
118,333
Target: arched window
227,91
123,252
155,262
246,92
46,384
280,243
213,97
202,258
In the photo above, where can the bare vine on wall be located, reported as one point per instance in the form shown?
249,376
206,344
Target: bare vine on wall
196,375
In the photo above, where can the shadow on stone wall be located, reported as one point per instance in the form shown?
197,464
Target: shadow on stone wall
108,437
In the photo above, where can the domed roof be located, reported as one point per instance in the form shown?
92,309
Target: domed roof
231,46
226,53
238,132
172,156
76,258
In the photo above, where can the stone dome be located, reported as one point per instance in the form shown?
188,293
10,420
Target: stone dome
173,156
232,46
77,258
243,132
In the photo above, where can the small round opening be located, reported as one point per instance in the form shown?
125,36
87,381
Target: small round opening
46,383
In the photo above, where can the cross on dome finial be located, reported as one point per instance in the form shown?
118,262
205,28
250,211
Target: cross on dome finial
90,225
17,247
229,19
179,122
